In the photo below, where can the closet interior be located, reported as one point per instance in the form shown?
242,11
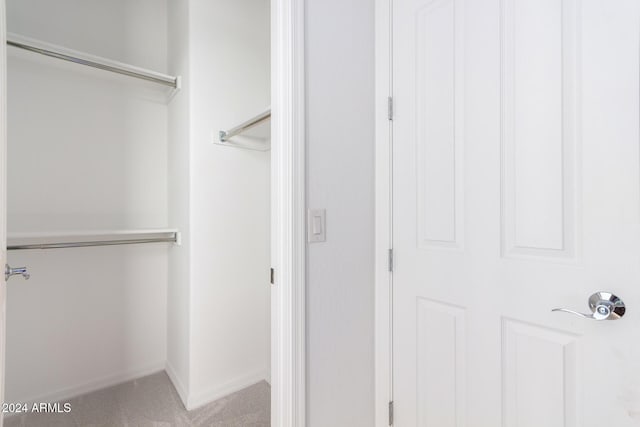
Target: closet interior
138,196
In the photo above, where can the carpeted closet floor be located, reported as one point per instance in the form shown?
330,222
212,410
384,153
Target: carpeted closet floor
153,402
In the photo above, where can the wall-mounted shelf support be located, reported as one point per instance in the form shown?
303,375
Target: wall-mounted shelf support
254,121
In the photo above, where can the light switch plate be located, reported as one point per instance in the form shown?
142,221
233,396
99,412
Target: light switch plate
316,225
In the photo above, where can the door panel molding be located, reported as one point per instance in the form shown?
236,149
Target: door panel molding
540,134
439,124
533,396
441,369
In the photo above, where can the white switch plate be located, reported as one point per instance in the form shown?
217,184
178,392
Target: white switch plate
316,225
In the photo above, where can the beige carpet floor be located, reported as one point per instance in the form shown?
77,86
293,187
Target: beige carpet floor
153,402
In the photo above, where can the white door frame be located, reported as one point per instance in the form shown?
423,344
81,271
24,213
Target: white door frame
383,212
288,342
3,188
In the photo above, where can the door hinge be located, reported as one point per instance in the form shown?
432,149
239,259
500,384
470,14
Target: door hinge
390,108
391,413
391,260
273,277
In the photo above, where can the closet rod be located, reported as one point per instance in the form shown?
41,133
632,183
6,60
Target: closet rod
95,62
62,245
254,121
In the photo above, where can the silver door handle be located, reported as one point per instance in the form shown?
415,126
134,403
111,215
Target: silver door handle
603,305
8,272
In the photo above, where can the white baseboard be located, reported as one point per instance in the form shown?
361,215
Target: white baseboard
93,385
177,383
195,400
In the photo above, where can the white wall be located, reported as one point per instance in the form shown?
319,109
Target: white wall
92,151
86,151
230,208
340,138
226,286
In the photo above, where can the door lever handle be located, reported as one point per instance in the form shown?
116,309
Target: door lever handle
566,310
603,305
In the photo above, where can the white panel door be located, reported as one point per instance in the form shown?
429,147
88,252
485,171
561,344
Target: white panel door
516,190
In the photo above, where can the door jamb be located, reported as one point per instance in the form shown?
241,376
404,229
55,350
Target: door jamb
288,300
3,192
383,214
